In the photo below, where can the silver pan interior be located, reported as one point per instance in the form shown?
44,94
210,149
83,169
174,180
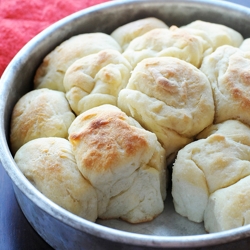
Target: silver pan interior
59,228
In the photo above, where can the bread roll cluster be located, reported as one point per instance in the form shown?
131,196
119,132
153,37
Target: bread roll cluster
112,115
208,175
123,162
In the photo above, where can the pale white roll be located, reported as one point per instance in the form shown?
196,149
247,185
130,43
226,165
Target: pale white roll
96,79
228,208
49,164
203,167
51,72
162,42
219,34
129,31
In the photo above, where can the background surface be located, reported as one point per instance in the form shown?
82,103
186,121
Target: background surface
20,21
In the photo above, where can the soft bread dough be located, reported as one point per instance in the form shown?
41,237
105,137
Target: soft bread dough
126,33
169,97
40,113
228,208
228,71
96,79
123,162
219,34
205,166
51,72
49,164
173,42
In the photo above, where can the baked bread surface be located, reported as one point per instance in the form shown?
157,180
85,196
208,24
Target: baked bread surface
169,97
233,129
228,208
245,45
177,86
96,79
207,165
126,33
51,72
219,34
40,113
228,71
161,42
49,164
123,162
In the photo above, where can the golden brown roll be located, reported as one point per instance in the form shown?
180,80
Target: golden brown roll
228,71
40,113
127,32
208,165
169,97
172,42
96,79
123,162
49,164
51,72
219,34
228,208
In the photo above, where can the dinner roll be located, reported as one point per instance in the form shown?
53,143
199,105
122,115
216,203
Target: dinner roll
160,42
232,129
218,33
228,71
245,46
124,163
228,207
49,164
40,113
169,97
203,167
204,38
189,188
126,33
96,79
51,72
